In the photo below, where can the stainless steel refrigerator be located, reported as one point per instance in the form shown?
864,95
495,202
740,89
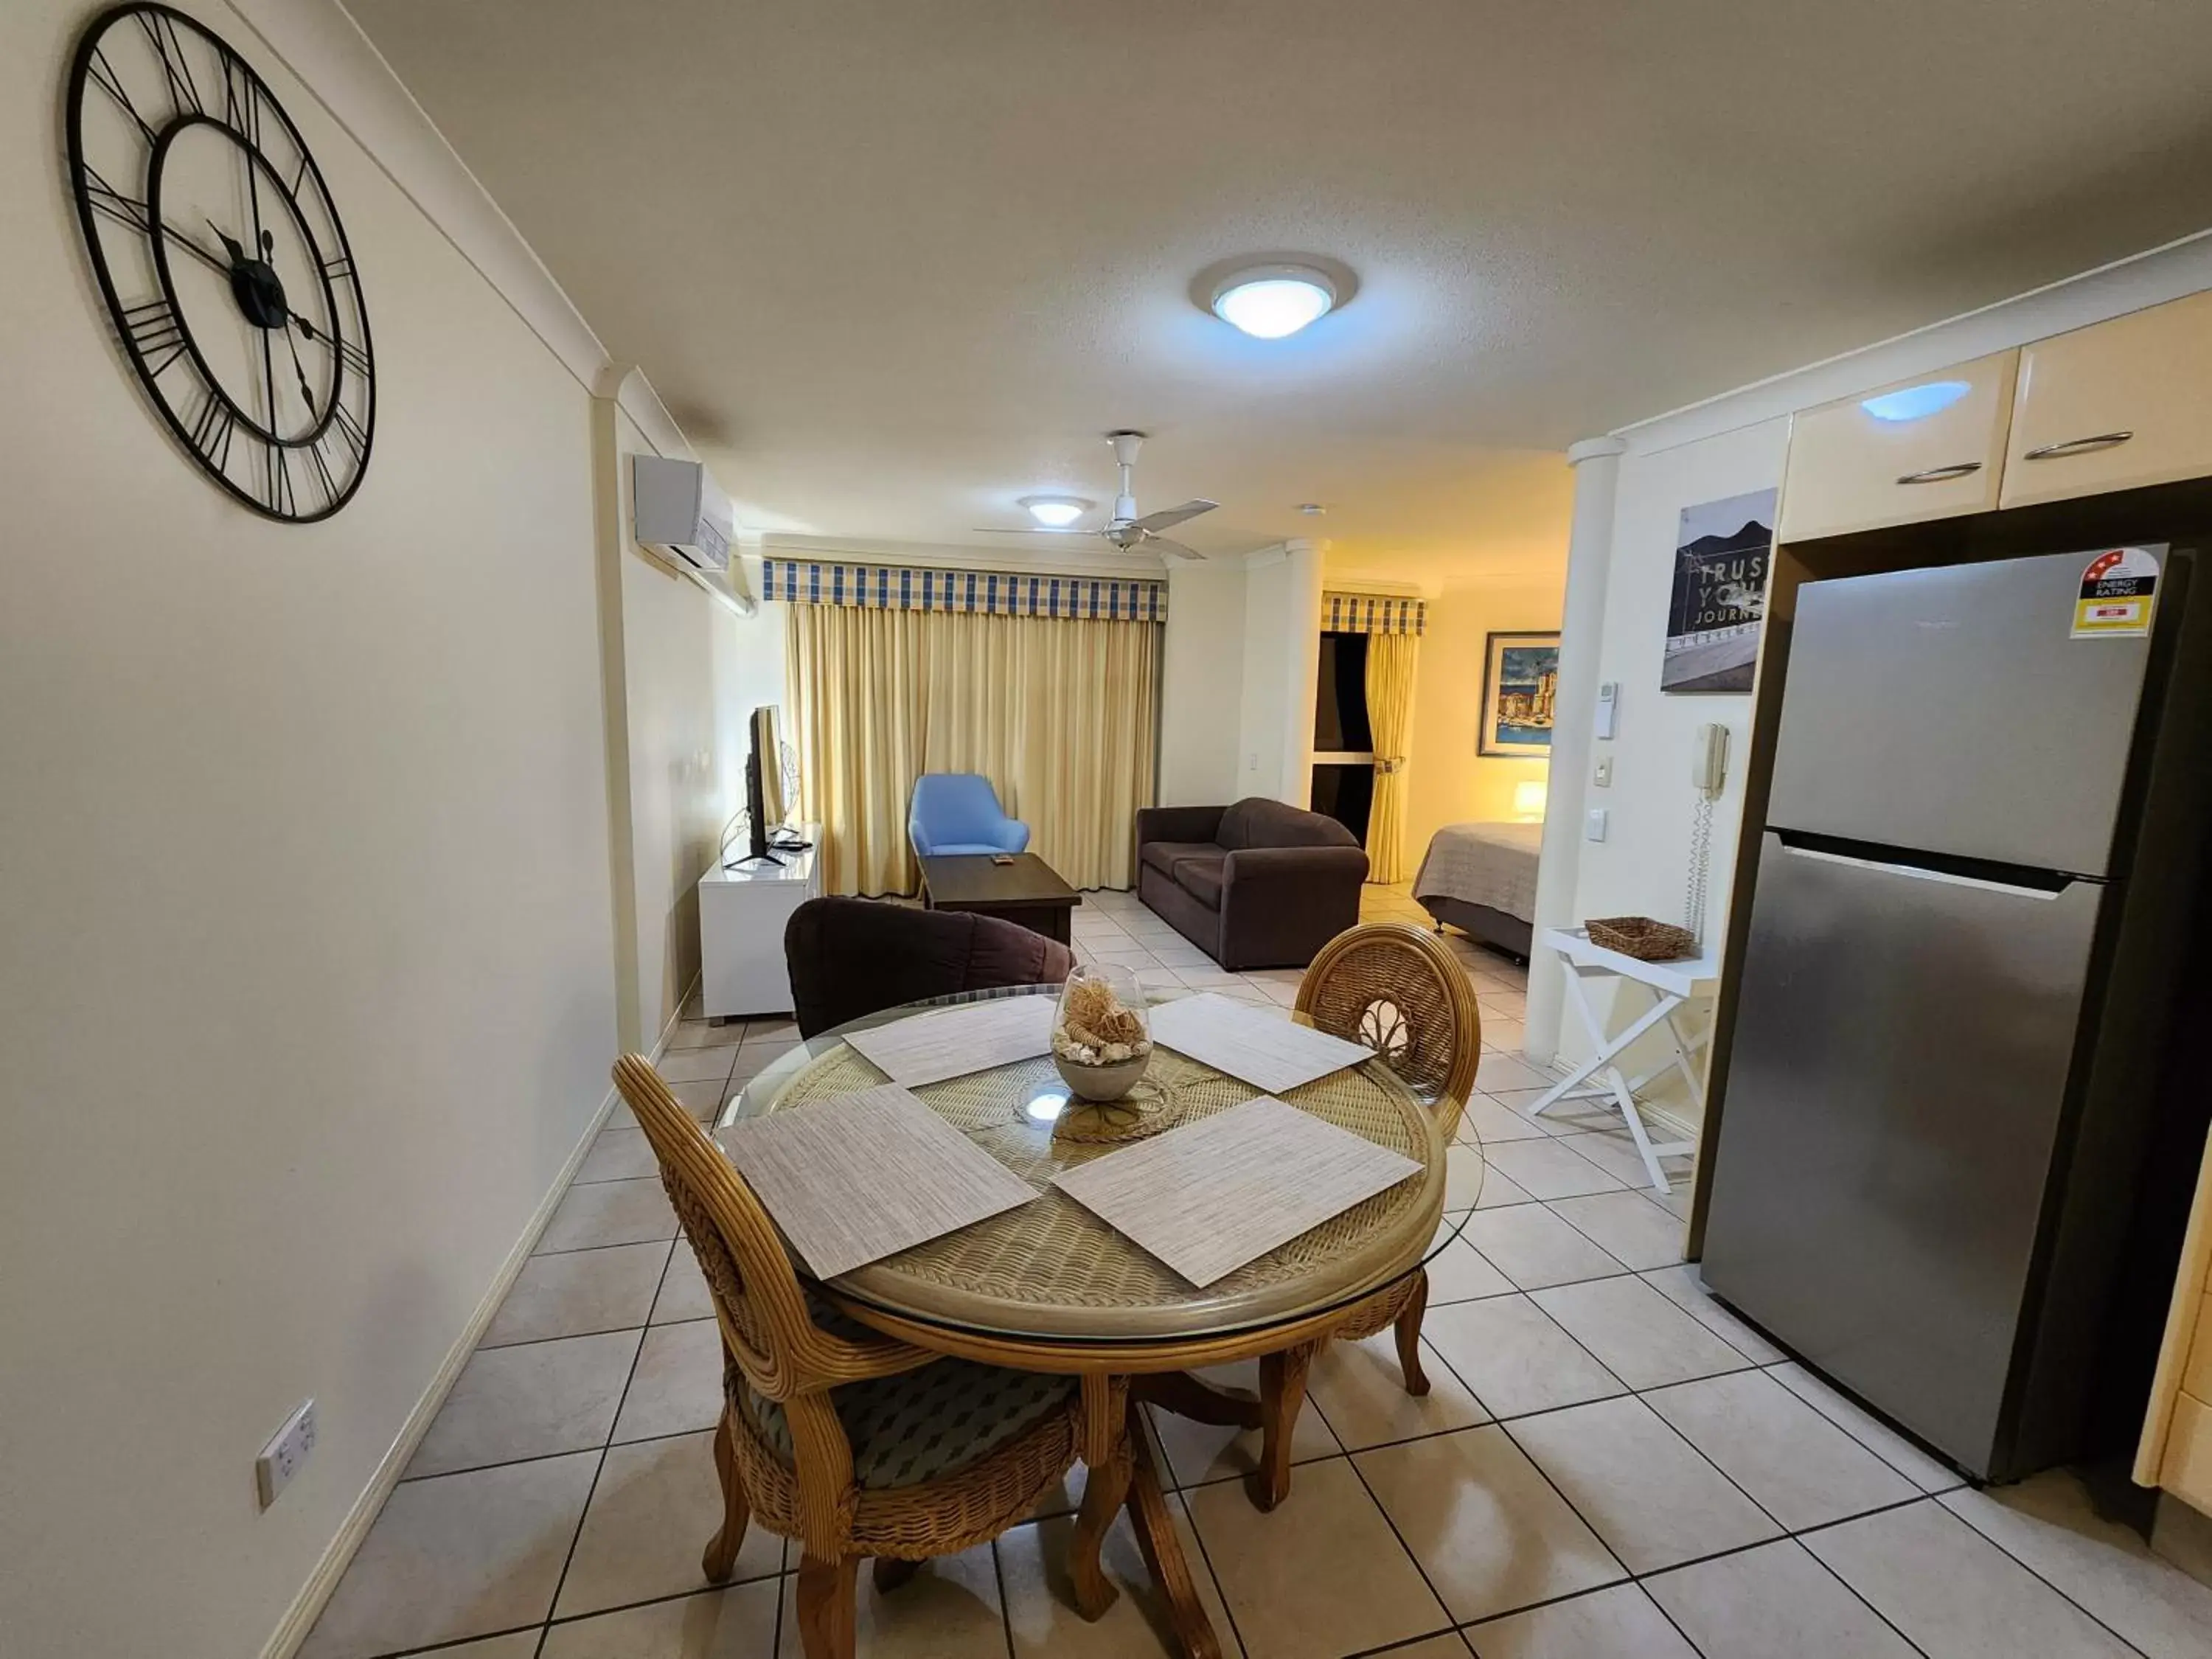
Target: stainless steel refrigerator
1953,988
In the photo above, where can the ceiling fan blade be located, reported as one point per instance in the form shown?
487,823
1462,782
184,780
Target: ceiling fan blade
1169,518
1172,549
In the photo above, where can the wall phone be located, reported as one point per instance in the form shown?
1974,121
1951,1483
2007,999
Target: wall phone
1709,760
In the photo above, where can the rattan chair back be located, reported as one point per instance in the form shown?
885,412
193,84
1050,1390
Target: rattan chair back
1396,989
766,1326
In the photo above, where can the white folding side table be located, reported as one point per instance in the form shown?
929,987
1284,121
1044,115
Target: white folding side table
1671,985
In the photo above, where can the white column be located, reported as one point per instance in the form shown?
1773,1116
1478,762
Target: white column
1301,667
1596,462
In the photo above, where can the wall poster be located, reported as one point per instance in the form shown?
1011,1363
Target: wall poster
1722,552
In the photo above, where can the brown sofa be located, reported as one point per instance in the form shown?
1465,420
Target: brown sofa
1258,885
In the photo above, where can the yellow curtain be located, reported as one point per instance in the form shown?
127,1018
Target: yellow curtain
1390,658
1061,716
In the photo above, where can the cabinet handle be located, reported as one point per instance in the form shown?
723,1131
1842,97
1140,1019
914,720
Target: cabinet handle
2078,447
1940,474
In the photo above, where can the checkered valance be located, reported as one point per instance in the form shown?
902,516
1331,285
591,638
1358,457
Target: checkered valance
1372,613
997,593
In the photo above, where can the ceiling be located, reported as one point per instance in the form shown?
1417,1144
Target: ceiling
893,265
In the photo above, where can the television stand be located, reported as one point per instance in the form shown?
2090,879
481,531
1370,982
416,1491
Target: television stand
743,908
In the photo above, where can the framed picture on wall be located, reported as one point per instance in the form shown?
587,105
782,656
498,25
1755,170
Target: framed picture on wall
1520,679
1718,606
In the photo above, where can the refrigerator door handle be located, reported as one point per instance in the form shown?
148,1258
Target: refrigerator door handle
1922,873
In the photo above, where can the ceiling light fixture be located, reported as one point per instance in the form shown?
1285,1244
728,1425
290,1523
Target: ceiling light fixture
1271,301
1055,512
1915,403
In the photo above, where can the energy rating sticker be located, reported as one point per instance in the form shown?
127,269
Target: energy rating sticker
2119,593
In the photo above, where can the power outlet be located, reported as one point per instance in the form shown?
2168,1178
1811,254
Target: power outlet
1602,775
284,1457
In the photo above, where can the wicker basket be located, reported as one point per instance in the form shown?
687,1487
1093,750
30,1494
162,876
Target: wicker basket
1642,938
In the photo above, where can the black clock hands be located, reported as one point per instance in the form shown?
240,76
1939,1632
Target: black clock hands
301,368
230,244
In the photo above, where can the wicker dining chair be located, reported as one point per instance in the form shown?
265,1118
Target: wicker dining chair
854,1444
1397,990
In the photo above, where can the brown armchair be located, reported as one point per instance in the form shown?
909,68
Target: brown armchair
1258,884
851,956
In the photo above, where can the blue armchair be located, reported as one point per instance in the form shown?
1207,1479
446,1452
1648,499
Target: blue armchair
958,812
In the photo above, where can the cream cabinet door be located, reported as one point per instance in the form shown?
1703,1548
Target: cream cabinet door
2113,406
2175,1451
1926,448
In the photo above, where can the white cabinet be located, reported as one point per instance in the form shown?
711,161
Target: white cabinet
2116,406
742,913
1930,448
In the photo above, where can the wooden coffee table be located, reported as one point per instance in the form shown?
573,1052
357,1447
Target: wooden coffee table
1028,891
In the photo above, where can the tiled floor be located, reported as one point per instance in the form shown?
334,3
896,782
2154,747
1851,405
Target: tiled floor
1608,1464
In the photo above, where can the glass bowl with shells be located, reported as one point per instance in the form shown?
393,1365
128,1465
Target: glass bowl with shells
1101,1037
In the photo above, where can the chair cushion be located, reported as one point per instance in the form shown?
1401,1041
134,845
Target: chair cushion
1163,856
1201,875
926,1424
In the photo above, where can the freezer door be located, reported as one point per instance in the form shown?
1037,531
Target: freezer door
1900,1058
1948,710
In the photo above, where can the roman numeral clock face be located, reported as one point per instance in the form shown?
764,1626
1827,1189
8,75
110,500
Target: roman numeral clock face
222,261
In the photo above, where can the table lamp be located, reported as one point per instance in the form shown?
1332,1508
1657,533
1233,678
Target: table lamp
1528,800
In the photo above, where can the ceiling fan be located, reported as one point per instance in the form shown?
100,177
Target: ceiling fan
1125,529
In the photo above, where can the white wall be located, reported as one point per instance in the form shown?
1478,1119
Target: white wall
1447,782
1264,691
1201,685
306,948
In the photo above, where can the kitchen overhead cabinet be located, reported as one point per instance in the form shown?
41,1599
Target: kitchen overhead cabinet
1931,447
2116,406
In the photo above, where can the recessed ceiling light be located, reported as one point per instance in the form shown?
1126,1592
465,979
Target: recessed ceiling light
1915,403
1055,512
1271,302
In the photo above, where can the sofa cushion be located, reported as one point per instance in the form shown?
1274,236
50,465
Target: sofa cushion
1200,876
1259,822
1164,855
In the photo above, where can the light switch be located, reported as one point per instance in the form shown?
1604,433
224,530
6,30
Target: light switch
1594,822
1603,776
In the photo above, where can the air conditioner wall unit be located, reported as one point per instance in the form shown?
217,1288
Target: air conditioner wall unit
675,507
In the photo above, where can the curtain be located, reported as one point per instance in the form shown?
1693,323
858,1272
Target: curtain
1061,716
1390,658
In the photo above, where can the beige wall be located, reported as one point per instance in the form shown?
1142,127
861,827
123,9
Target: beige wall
306,993
1447,782
1201,685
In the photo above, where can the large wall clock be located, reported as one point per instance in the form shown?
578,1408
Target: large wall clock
224,265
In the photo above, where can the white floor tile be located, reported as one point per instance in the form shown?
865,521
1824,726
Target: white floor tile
1642,1339
1196,1453
457,1556
619,1154
1682,1285
677,1385
1546,1168
655,1505
1629,1226
1361,1393
2049,1523
683,1293
1799,1467
1647,1492
1040,1615
1488,1529
1534,1248
1514,1358
732,1624
1619,1623
1458,1273
578,1292
1953,1593
1878,1438
1320,1576
609,1212
528,1401
1770,1602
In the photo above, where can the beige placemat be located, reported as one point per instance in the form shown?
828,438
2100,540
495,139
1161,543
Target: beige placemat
944,1043
860,1176
1212,1195
1264,1050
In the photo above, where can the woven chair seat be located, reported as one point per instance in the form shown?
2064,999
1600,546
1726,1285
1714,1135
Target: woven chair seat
924,1424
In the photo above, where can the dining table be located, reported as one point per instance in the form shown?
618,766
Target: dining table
1048,1286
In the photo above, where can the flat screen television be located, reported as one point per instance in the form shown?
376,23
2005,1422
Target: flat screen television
766,810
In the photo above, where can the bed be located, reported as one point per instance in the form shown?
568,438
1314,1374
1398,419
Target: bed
1481,878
